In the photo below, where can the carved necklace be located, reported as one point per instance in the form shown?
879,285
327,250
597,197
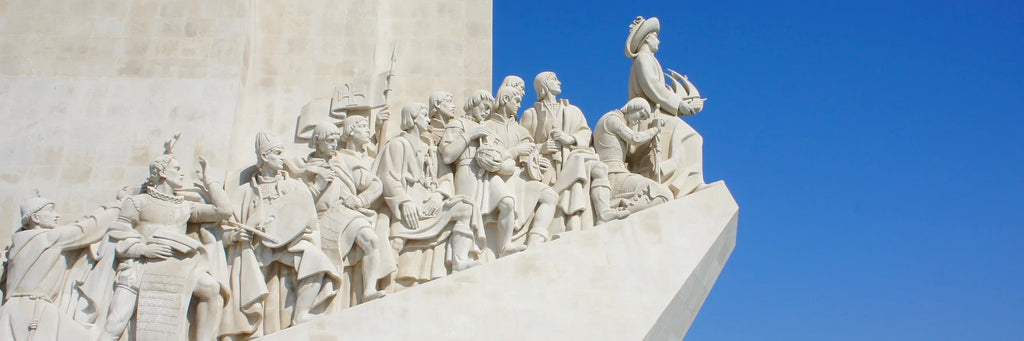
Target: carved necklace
552,107
275,193
153,192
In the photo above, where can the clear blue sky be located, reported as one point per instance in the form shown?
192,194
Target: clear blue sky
873,147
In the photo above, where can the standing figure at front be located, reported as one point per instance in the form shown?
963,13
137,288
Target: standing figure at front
344,189
476,165
679,160
579,177
37,271
432,229
279,275
163,266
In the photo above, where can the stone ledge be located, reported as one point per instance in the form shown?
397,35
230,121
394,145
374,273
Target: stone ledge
644,277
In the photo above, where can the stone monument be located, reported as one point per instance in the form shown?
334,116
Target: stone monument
347,204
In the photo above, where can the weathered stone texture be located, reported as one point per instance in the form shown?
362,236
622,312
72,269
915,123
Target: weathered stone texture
90,89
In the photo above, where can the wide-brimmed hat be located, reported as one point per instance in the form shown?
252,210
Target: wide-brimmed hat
639,30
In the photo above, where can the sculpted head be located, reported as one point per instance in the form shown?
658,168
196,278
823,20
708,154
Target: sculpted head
269,152
636,110
509,99
547,84
479,105
515,82
442,104
38,212
356,129
643,32
166,168
325,138
414,115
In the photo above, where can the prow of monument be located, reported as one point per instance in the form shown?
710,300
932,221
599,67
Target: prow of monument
260,170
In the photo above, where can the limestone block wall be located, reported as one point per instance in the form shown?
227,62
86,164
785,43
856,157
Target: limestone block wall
89,90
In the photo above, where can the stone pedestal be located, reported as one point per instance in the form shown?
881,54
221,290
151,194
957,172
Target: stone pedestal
644,277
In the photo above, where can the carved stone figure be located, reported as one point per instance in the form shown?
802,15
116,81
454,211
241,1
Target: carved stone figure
679,164
515,82
37,271
344,189
441,107
426,222
476,165
279,275
614,139
562,132
535,200
162,267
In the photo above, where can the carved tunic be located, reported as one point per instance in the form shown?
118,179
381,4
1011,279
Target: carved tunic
485,188
572,163
163,285
264,276
401,169
37,273
508,135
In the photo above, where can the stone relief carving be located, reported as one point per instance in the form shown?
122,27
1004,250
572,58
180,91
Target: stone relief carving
365,213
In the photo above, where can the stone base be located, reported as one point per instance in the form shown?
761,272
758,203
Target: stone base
644,277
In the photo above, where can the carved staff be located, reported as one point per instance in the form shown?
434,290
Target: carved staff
382,130
656,146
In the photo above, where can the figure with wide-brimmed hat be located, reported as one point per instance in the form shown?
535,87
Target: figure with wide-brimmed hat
679,160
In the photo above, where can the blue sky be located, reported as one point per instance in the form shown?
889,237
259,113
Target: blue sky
873,147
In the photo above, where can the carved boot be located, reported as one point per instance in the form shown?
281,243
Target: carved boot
605,213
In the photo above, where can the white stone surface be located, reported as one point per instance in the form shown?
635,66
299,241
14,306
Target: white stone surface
88,89
644,277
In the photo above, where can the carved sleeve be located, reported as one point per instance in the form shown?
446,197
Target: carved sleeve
581,132
454,142
622,131
370,187
529,122
652,81
392,174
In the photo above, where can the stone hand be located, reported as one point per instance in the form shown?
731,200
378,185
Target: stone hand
243,236
383,116
478,132
544,163
524,149
658,123
550,147
562,137
411,215
156,251
432,206
353,202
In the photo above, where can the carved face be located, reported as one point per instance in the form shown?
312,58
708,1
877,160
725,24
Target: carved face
173,175
46,217
361,132
653,42
328,145
480,111
421,120
635,117
447,107
273,158
553,85
512,105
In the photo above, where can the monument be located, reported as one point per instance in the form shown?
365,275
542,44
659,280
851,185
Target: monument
340,190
